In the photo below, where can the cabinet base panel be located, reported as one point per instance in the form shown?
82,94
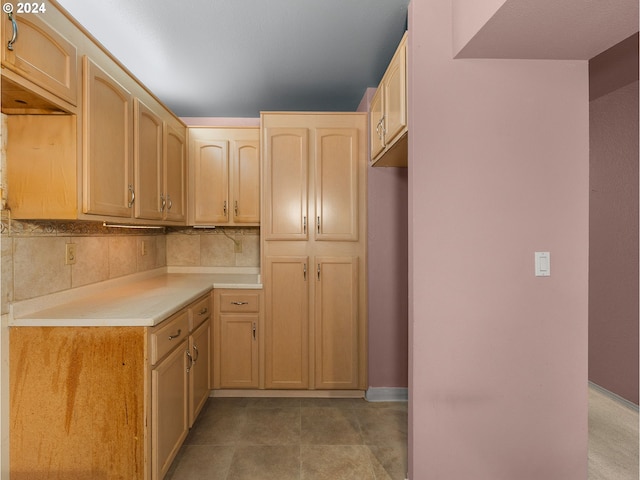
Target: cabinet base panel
288,393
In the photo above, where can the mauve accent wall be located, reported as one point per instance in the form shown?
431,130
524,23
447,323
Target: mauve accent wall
387,272
498,169
613,220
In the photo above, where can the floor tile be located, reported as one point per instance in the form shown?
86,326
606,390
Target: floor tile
389,462
197,462
335,462
381,426
266,462
268,402
329,426
271,426
218,427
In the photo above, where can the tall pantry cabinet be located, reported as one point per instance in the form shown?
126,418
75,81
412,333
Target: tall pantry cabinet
314,250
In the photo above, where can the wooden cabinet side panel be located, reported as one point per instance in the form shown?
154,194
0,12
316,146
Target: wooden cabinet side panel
286,184
336,322
337,158
287,322
41,166
77,403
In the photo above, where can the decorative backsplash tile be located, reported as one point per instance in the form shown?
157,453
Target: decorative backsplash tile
33,253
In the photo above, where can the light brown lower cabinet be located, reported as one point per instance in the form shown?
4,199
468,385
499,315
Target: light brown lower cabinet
106,402
236,333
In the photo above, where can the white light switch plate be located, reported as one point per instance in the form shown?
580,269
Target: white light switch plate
543,264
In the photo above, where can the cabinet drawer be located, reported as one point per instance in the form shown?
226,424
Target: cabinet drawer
200,311
169,334
240,302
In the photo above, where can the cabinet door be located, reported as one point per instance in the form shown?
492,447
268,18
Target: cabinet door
336,184
239,351
287,322
336,322
169,409
175,165
286,183
107,156
376,133
199,386
42,56
246,182
147,130
211,166
395,95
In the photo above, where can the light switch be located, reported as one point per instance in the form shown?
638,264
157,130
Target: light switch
543,264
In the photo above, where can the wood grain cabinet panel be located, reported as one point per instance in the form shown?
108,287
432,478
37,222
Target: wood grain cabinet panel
41,55
225,179
237,331
107,144
313,245
388,127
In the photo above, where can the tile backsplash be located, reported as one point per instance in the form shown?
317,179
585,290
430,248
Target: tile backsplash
33,254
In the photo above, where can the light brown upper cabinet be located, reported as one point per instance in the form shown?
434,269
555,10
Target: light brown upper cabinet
160,166
224,183
107,143
38,62
332,214
388,113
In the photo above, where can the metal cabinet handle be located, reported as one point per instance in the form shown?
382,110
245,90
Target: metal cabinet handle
304,224
195,349
14,37
133,196
235,207
171,337
203,311
224,208
254,330
170,202
318,271
190,360
304,271
383,131
239,303
163,203
318,224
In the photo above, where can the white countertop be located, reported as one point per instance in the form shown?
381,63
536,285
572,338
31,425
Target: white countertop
138,300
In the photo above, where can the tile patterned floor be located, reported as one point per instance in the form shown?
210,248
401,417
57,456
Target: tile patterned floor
295,439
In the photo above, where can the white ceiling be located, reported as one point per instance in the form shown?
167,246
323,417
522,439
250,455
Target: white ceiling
554,29
235,58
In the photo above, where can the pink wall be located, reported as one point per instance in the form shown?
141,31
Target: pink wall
387,270
498,169
613,220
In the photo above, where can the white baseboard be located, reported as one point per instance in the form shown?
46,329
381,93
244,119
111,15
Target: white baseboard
387,394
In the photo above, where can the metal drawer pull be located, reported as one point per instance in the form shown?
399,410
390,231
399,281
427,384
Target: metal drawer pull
203,311
239,303
195,349
133,196
14,37
171,337
190,360
254,330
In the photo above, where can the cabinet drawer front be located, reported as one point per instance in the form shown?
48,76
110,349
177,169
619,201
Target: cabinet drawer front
242,302
169,335
200,311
